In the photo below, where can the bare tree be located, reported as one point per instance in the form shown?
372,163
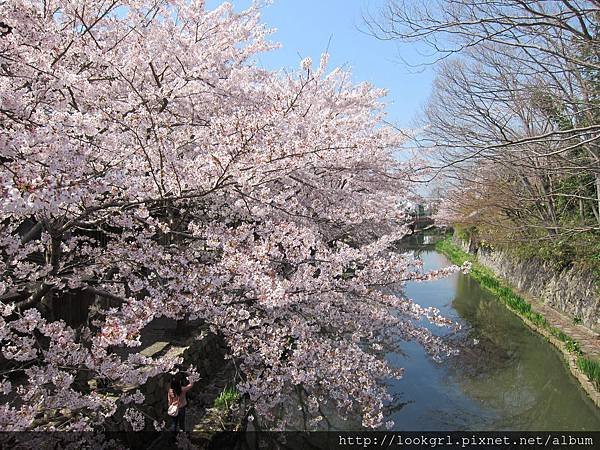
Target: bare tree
514,116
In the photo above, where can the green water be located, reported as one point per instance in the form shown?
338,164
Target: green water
505,378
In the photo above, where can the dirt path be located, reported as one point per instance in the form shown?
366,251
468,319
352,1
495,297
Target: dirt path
589,340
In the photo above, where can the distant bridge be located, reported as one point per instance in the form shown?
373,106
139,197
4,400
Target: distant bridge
421,218
420,223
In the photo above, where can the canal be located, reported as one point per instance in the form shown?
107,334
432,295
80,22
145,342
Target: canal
505,377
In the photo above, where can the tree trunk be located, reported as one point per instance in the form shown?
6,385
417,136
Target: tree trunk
597,208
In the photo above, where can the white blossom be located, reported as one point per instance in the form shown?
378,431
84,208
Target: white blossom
169,175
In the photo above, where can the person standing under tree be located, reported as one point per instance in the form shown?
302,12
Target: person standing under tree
177,402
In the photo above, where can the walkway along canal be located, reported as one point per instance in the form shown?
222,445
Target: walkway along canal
506,377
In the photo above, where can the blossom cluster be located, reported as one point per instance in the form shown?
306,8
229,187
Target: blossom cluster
145,160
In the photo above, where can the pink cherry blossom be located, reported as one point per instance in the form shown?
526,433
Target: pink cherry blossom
147,163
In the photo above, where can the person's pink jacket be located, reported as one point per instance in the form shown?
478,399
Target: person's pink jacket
181,401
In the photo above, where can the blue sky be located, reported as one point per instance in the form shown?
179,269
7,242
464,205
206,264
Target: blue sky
305,27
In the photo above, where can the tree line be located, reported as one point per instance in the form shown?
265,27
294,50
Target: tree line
513,121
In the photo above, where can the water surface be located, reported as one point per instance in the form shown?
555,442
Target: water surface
506,377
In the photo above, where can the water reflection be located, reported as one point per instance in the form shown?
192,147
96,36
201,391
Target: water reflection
505,377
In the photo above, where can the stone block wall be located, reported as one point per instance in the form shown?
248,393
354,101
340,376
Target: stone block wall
571,291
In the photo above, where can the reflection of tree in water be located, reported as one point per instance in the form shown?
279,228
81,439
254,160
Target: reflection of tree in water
296,438
491,367
396,404
417,241
485,343
510,370
331,419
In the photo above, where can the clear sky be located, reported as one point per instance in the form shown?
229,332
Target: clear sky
305,27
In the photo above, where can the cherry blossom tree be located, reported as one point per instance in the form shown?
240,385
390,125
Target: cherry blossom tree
147,161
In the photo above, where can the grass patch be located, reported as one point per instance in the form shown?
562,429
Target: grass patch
591,369
226,398
573,347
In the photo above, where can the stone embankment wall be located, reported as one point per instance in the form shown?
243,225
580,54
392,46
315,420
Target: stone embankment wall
571,291
206,353
200,348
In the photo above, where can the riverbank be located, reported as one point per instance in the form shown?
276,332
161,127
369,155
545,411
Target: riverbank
580,349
